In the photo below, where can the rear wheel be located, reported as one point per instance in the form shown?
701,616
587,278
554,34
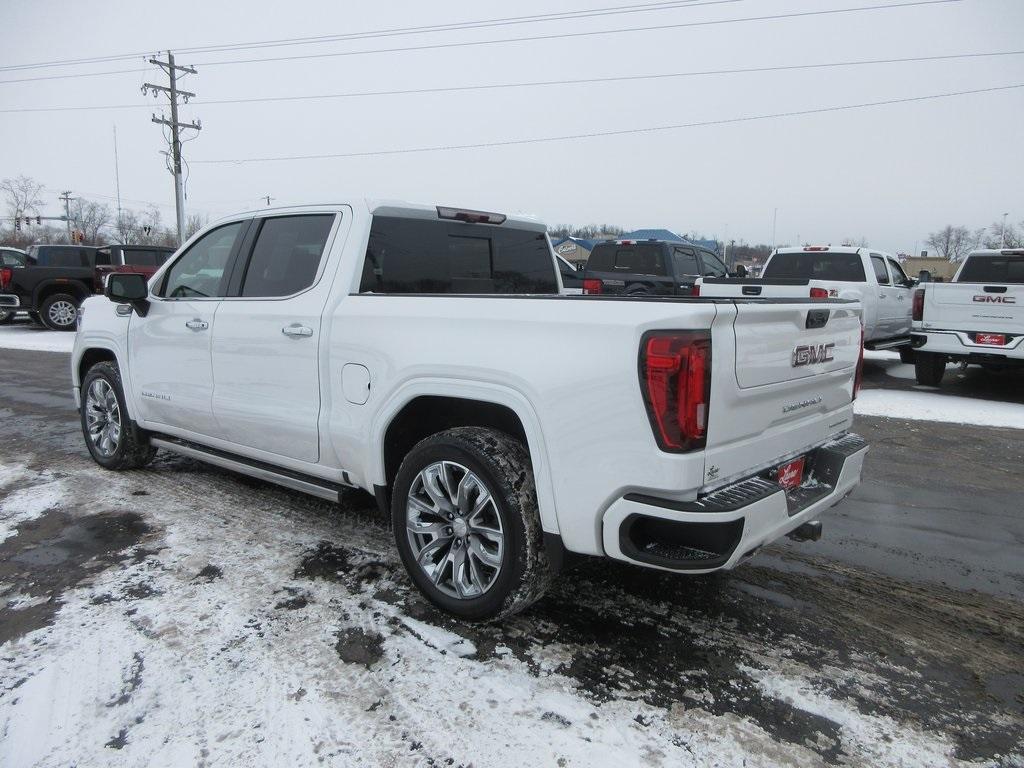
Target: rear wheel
929,368
59,312
906,355
467,526
112,438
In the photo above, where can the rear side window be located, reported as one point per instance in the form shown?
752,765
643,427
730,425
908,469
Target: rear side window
425,256
816,265
143,257
286,257
685,262
640,259
993,269
65,257
878,264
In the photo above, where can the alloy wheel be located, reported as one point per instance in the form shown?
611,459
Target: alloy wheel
62,313
103,417
454,529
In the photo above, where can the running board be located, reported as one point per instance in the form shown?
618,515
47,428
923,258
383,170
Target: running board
297,481
903,341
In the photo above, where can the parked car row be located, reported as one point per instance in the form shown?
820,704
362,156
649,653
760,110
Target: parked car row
430,356
49,282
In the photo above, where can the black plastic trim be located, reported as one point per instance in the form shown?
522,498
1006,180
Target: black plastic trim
715,538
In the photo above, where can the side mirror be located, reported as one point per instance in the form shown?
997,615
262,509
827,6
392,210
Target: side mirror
128,288
741,271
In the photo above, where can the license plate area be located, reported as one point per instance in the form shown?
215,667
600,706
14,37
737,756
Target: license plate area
791,474
990,339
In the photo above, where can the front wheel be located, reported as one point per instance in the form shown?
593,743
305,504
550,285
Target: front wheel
112,439
467,525
59,312
929,368
906,355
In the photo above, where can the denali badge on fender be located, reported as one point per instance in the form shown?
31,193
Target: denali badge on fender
806,354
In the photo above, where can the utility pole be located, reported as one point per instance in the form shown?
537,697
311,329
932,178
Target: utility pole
268,198
173,93
117,182
1002,236
775,218
66,197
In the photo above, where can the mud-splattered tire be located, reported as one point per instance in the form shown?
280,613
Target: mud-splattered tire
907,355
501,464
102,391
929,368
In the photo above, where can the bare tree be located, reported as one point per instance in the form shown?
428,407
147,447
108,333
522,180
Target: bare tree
90,218
194,223
23,196
995,237
951,242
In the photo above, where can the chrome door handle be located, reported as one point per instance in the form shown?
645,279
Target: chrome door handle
900,296
297,331
197,325
881,295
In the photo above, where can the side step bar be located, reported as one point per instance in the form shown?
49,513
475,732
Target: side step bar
314,486
902,341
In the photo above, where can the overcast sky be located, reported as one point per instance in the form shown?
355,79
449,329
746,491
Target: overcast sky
889,174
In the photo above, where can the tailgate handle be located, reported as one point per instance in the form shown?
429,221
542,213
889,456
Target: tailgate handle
995,289
751,290
817,318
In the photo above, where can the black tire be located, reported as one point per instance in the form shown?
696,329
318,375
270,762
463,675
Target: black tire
6,316
929,368
502,463
907,355
55,313
133,450
35,318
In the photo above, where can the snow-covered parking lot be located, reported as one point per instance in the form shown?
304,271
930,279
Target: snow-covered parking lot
185,616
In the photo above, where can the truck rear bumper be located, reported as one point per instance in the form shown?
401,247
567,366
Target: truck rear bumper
727,526
962,343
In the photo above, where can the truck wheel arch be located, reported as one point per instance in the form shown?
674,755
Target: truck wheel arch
51,286
418,411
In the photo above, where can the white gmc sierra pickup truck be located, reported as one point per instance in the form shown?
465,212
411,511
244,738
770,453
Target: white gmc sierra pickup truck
978,318
427,356
870,276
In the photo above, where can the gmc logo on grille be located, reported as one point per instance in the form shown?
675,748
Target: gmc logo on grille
807,354
988,299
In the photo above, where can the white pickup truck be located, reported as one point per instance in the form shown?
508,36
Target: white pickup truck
427,356
873,277
978,318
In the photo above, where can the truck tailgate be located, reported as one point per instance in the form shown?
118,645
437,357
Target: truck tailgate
974,307
790,384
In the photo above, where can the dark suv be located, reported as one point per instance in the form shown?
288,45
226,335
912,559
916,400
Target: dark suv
648,268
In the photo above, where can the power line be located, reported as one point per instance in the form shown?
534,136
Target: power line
538,83
391,32
71,77
622,132
532,38
593,33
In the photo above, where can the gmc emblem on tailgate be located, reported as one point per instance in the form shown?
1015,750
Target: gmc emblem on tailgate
988,299
806,354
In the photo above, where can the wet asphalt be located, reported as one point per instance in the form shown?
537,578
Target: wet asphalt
922,567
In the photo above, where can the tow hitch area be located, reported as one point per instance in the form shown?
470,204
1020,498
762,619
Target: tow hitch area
810,531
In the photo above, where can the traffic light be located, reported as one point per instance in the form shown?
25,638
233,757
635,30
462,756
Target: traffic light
28,221
17,224
39,220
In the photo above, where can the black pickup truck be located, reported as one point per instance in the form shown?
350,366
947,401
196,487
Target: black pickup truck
648,268
63,276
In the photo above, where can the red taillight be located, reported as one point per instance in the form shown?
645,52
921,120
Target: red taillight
860,365
593,286
675,373
695,291
917,308
819,293
6,275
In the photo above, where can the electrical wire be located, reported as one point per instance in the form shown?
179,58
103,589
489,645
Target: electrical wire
534,83
572,35
600,134
389,32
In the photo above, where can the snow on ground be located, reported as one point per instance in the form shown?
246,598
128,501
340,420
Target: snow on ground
208,645
930,405
22,504
31,336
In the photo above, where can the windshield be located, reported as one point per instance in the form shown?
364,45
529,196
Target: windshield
993,269
816,265
629,259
